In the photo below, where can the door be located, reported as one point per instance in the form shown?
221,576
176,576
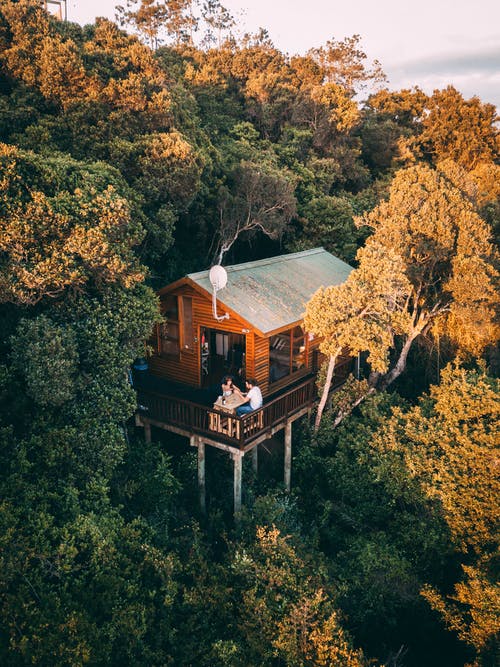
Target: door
222,353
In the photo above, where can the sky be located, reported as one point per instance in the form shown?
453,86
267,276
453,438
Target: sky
432,43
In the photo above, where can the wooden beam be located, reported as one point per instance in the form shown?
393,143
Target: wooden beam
195,441
288,455
237,462
147,430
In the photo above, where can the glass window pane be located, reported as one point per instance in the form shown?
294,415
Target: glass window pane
187,323
169,338
171,308
279,356
298,349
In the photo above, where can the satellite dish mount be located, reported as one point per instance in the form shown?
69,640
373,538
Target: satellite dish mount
218,279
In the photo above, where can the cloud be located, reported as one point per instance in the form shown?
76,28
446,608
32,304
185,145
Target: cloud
487,61
472,73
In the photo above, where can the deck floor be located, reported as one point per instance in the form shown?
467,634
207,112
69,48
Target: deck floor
202,396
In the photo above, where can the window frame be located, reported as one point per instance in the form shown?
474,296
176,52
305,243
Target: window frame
291,356
186,344
162,331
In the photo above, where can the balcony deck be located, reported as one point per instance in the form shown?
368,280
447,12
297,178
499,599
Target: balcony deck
165,409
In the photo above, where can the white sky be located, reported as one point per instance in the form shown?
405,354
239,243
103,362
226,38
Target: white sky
431,43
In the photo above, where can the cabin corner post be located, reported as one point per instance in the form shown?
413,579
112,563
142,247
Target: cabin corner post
197,442
237,463
288,455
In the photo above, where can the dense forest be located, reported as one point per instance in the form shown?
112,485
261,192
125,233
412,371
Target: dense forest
134,152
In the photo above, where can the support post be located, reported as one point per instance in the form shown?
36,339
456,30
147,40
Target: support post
147,431
255,459
288,454
197,442
237,461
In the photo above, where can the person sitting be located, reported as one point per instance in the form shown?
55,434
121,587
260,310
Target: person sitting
227,385
252,398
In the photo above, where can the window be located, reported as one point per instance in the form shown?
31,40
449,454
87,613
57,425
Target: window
187,323
168,331
287,353
298,349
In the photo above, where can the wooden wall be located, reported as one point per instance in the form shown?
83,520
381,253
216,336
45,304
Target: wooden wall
261,363
187,367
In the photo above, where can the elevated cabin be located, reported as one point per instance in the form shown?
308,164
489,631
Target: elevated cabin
263,337
252,328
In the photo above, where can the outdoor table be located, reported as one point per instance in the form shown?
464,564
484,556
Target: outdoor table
223,420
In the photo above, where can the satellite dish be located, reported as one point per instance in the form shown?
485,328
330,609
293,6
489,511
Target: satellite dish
218,277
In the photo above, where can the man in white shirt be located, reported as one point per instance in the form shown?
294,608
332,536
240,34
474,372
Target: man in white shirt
252,399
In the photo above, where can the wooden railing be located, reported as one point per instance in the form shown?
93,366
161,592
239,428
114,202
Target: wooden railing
200,419
237,431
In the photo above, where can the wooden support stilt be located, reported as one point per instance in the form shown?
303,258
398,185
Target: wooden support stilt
197,442
288,455
255,459
147,431
237,461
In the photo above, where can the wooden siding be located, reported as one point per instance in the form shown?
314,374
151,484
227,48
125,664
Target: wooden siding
187,367
193,418
261,363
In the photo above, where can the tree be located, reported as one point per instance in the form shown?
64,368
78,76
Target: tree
40,57
77,581
265,602
428,268
464,131
153,17
329,111
218,21
439,127
328,221
448,446
259,199
56,242
343,63
389,122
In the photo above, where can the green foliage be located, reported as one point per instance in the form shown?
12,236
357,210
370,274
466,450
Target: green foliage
409,506
54,240
37,342
119,163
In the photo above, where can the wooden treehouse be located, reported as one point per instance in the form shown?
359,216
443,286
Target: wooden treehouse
251,328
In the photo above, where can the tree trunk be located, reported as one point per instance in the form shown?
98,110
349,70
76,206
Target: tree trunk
326,389
400,364
380,382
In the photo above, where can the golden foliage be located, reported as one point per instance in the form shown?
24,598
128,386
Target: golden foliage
53,243
487,178
343,112
429,266
309,635
66,73
365,312
287,609
449,446
480,625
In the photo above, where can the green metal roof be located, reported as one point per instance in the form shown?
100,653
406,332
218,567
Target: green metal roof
272,293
